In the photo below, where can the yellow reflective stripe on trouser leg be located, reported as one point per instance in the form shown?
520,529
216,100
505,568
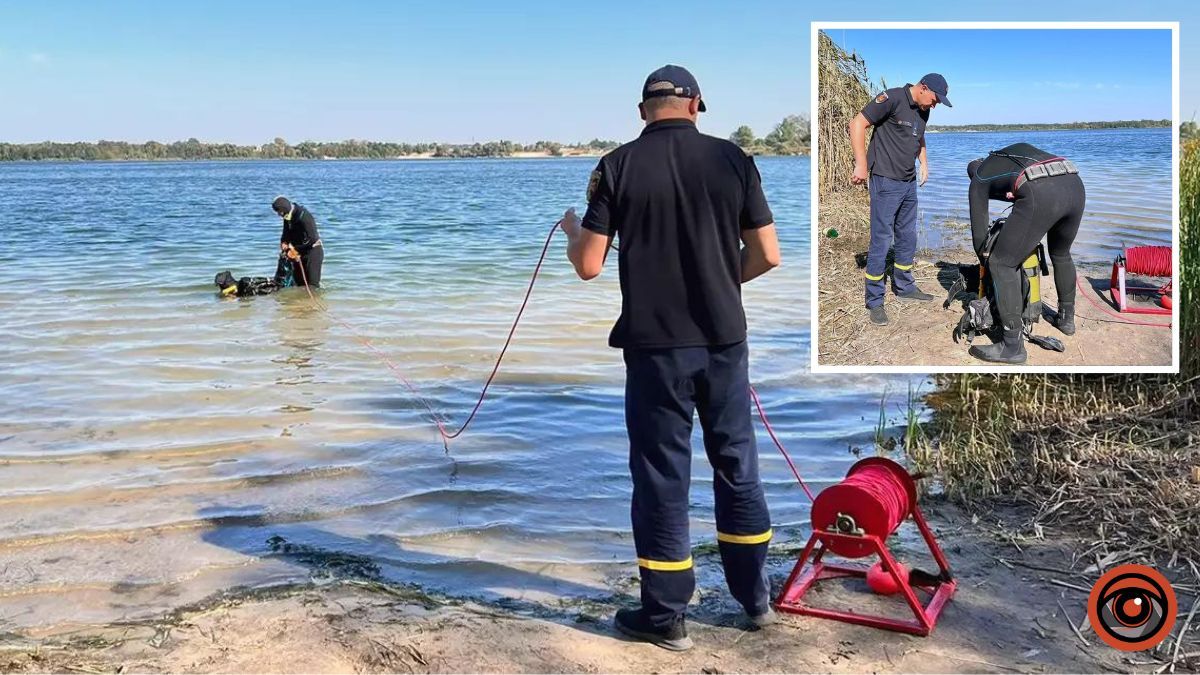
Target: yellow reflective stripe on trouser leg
872,277
665,565
744,538
902,267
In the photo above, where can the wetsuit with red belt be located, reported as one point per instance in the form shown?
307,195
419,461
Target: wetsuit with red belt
1049,205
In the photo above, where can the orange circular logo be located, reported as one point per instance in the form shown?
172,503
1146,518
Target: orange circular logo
1132,607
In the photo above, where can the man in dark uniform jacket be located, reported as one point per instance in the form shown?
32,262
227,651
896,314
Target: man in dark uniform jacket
899,116
300,242
693,226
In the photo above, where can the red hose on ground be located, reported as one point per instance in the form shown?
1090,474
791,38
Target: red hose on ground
1120,319
447,436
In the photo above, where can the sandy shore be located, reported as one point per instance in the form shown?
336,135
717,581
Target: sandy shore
516,155
565,153
1007,616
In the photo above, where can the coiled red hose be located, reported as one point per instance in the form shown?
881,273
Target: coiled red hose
1154,261
877,493
884,488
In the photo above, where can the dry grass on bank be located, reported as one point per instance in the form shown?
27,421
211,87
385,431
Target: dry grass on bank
1110,462
1111,459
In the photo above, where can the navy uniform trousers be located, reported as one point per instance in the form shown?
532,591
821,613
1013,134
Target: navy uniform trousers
893,216
663,388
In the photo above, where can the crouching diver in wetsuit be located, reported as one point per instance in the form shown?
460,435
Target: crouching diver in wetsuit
1048,200
299,242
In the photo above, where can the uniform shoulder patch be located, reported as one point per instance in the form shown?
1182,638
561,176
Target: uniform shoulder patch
881,97
593,183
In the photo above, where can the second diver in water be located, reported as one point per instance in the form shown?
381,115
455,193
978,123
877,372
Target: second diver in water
300,243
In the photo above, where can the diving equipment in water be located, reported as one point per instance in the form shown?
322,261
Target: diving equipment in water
248,286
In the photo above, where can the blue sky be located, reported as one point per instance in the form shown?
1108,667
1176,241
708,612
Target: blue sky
450,70
999,76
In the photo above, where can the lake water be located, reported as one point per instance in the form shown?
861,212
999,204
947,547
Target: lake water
1127,174
154,437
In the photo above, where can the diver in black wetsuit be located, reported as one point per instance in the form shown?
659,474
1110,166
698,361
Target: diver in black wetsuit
299,242
1048,200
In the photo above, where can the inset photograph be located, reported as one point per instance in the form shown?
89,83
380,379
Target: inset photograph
994,198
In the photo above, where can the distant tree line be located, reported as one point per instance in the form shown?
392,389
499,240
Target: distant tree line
281,149
790,137
1119,124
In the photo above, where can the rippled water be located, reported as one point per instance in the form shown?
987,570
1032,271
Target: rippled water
1127,174
154,437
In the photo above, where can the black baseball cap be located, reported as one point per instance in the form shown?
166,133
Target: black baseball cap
672,81
937,84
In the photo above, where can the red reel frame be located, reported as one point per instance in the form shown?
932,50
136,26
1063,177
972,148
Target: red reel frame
811,568
1120,292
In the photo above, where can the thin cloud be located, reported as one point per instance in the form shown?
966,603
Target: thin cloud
1060,85
38,58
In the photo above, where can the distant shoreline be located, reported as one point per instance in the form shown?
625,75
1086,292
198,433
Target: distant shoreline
415,157
1067,126
788,138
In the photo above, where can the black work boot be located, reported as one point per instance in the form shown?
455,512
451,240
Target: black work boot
1064,320
915,294
1010,350
879,315
633,622
760,621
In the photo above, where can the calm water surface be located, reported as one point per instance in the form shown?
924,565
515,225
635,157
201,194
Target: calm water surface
1127,174
154,437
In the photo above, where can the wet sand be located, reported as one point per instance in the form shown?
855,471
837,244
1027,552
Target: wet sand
1006,617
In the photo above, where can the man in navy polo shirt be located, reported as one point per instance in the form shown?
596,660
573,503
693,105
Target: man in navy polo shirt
693,226
899,116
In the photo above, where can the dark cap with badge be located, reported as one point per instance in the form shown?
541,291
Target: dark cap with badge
672,81
937,84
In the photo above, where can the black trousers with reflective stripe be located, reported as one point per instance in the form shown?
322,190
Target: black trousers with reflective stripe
664,389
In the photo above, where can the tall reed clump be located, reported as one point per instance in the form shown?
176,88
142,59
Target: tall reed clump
1189,259
1114,458
843,88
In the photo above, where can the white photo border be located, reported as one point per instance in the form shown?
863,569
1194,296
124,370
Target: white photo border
814,195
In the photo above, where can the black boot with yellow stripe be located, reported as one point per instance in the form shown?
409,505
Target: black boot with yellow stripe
635,624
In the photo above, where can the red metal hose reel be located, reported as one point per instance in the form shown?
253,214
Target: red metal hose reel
1154,261
853,519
